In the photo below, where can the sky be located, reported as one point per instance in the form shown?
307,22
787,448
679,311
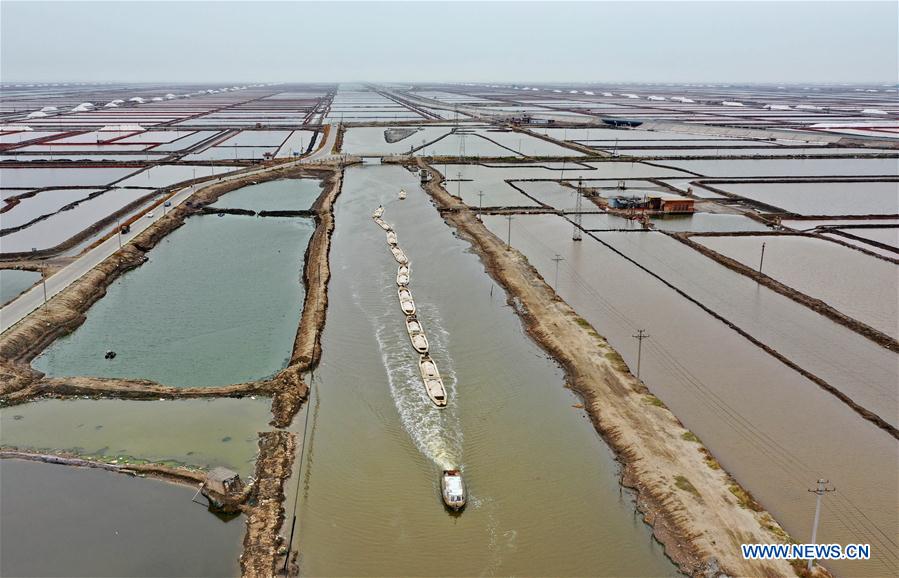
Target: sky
724,41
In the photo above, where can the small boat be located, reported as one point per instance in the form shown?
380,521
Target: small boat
416,334
406,302
378,212
391,238
402,194
452,487
399,255
402,275
433,382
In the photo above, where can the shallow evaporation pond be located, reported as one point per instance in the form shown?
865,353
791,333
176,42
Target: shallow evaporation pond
218,303
697,222
737,398
371,140
96,523
863,371
195,432
278,195
865,288
823,198
544,497
14,281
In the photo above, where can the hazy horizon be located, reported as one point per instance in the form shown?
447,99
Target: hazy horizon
499,42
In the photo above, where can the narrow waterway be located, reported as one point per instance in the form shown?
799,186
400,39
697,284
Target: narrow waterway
544,497
76,522
774,430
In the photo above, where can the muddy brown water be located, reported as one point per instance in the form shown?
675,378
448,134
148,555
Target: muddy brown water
865,287
544,497
853,364
77,522
774,430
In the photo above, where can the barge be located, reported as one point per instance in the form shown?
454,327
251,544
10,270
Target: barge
416,334
432,380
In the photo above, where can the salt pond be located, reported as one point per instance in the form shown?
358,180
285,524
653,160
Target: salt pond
218,303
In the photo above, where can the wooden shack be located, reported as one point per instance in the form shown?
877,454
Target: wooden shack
223,481
224,489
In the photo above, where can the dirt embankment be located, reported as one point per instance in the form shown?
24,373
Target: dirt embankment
265,507
697,511
190,477
290,388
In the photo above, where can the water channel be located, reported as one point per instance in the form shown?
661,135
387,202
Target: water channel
544,494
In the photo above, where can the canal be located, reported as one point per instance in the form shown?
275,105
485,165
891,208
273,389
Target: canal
544,496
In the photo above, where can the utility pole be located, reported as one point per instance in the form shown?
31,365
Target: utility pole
820,490
509,234
119,231
578,208
640,336
480,204
762,258
557,259
44,280
459,184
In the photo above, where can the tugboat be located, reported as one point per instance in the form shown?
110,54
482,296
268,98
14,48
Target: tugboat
452,487
378,212
402,194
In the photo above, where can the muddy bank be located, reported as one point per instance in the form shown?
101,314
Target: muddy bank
816,305
178,475
265,505
697,511
249,213
135,389
289,391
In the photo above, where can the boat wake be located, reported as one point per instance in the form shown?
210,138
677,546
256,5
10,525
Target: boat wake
437,433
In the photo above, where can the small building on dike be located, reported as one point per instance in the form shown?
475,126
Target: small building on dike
653,201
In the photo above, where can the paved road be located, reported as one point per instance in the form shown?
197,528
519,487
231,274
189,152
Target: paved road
323,152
